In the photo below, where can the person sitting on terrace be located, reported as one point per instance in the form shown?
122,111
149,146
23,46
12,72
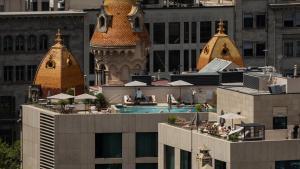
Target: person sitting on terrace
138,95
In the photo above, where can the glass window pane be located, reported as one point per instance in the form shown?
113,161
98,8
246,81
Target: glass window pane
220,164
159,61
186,32
248,48
169,157
280,122
205,31
146,166
261,21
159,33
174,61
146,145
186,60
174,32
108,166
193,59
288,49
291,164
248,21
194,32
260,47
185,160
298,49
108,145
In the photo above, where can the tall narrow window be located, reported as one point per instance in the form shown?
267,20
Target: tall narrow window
186,32
146,144
43,42
174,32
248,48
185,160
194,32
8,73
20,43
260,49
8,44
193,59
31,69
92,63
205,31
298,49
288,20
159,33
174,61
169,157
288,49
137,23
186,59
159,61
45,6
108,145
20,73
261,21
31,44
248,21
220,164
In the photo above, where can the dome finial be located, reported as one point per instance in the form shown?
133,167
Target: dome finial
58,38
221,28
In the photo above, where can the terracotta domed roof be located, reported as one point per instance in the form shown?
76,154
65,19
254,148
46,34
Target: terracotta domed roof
119,33
59,70
220,46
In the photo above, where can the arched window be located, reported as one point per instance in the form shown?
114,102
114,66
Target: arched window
43,42
102,21
137,23
31,44
8,44
20,43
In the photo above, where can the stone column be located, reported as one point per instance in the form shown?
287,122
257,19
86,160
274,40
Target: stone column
39,5
96,77
106,76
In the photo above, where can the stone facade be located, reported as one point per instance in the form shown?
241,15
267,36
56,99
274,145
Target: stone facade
23,46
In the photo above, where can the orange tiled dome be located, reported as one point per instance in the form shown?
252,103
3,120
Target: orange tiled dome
59,71
220,46
120,32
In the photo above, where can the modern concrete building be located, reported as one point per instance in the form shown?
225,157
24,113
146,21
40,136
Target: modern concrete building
25,39
90,140
12,5
269,136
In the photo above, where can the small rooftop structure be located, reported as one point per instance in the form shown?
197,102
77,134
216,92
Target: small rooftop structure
218,65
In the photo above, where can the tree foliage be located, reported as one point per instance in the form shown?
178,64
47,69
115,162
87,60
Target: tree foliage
10,155
101,102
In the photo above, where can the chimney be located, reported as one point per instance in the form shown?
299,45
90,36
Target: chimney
295,71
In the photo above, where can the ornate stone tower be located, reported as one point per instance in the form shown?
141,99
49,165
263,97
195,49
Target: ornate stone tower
59,71
220,46
120,42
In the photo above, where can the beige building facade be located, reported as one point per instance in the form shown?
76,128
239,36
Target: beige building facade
12,5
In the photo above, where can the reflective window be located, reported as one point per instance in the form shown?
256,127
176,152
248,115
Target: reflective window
186,60
8,73
7,44
260,49
159,61
185,160
205,31
248,21
159,33
174,61
31,44
20,73
220,164
186,32
288,49
248,48
108,145
194,32
169,157
146,166
280,122
291,164
31,70
174,32
108,166
261,21
146,144
43,42
194,59
20,43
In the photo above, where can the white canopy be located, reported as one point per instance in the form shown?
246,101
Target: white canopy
85,96
180,83
135,84
61,96
231,116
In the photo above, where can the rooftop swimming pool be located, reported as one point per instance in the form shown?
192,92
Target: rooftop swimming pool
155,109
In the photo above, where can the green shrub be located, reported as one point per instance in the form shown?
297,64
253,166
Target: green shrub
233,137
198,107
172,119
101,102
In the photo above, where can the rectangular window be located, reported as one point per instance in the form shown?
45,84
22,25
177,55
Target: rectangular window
186,65
169,157
260,49
150,2
2,8
31,69
108,166
185,160
20,73
288,20
146,166
205,31
7,106
8,73
174,61
288,49
159,61
92,63
280,122
248,49
220,164
261,21
159,33
248,21
147,26
174,32
45,6
34,6
146,144
91,30
291,164
193,59
194,32
186,32
298,49
225,26
108,145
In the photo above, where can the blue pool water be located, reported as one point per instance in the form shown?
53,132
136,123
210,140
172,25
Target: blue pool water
155,109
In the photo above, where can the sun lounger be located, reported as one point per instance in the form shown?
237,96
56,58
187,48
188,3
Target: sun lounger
173,100
128,100
149,100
